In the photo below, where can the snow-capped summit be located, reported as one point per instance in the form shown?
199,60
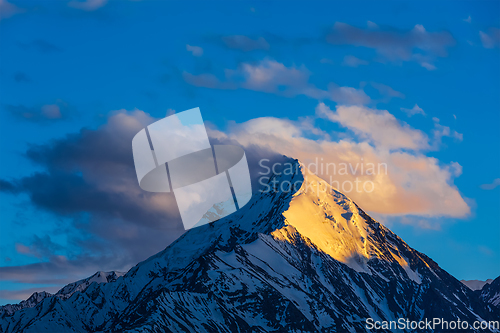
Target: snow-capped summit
339,228
305,260
65,292
98,277
32,301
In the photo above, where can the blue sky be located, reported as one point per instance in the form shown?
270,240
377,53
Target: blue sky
78,78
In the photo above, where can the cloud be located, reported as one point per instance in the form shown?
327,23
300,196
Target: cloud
195,50
414,184
8,187
491,186
207,80
270,76
92,172
352,61
347,95
486,250
7,9
376,126
42,114
416,44
245,43
468,20
413,111
427,66
426,224
40,247
87,5
492,39
372,25
387,91
20,248
441,131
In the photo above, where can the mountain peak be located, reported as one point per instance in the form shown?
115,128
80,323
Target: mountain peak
331,221
336,226
297,201
98,277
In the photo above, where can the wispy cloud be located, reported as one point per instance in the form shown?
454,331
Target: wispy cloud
395,45
352,61
42,248
245,43
491,186
413,111
59,110
372,25
195,50
419,222
387,91
441,131
7,9
88,5
270,76
491,39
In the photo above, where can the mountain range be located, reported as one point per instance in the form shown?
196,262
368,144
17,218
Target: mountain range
476,284
304,260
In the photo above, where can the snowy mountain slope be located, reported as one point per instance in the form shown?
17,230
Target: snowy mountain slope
490,293
33,300
309,260
65,292
98,277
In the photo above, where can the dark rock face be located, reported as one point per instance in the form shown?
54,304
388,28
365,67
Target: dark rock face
490,294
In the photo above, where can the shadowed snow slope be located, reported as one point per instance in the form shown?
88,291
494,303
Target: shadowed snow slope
307,260
490,293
